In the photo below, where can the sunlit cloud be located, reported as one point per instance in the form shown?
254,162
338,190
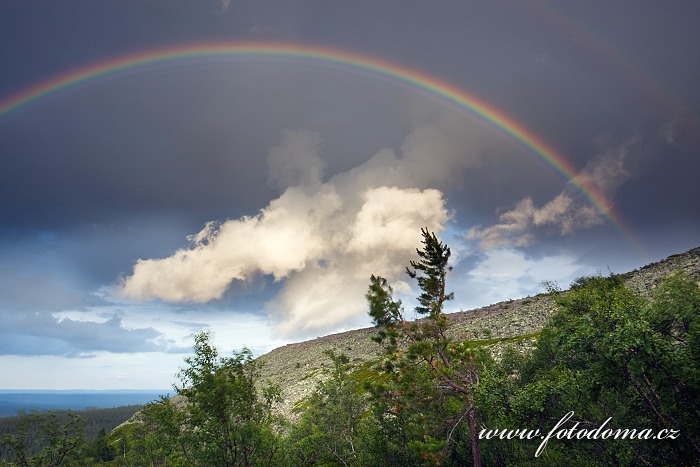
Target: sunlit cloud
321,238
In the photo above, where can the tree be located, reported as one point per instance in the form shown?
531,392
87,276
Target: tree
158,438
100,449
228,420
609,353
56,440
422,349
331,429
219,416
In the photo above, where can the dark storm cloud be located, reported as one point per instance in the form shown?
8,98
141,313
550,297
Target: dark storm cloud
85,164
151,147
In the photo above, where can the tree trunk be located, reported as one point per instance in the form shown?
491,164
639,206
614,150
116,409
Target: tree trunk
474,432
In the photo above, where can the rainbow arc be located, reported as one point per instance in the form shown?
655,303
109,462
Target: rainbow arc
364,64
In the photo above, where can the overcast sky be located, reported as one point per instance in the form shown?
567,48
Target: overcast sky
255,195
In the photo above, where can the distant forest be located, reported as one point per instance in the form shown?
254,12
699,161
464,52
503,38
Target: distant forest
93,421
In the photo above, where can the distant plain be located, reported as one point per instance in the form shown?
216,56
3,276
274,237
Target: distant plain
13,402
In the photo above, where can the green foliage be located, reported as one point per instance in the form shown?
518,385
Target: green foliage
158,437
228,421
100,450
432,376
60,439
219,417
333,428
430,272
607,354
27,430
386,312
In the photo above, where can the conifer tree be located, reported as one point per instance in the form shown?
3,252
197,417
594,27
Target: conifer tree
452,366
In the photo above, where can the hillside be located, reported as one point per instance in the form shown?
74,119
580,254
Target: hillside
298,367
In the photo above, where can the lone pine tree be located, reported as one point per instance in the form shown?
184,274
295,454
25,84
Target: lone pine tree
451,366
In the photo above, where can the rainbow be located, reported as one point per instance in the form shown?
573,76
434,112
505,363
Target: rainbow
411,78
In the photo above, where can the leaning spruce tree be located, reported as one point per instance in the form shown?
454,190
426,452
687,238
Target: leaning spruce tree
453,365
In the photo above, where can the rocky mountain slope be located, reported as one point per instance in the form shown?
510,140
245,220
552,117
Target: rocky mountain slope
298,367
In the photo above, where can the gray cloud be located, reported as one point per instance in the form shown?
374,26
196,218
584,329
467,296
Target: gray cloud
296,161
566,212
43,334
517,226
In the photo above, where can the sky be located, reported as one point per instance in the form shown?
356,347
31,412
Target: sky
244,167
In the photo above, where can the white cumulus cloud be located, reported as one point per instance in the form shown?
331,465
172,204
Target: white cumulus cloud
323,239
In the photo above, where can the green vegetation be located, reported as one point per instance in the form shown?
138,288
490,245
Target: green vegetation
610,370
611,355
220,418
433,378
59,441
26,435
332,428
